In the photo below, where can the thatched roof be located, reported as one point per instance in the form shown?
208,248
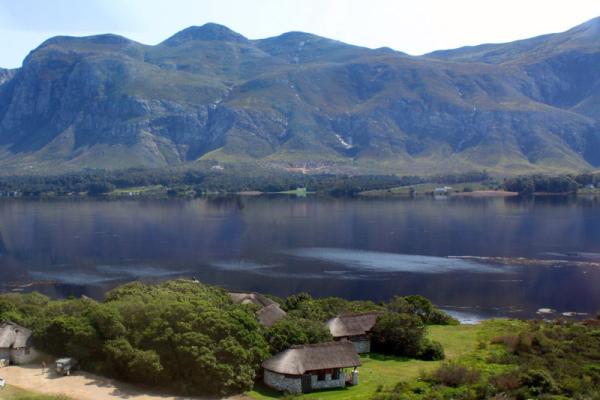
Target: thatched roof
313,357
352,324
13,336
251,298
269,311
268,315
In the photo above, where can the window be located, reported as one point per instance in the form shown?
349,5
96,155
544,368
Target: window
336,374
321,376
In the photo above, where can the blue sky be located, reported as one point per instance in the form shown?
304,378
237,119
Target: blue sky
415,26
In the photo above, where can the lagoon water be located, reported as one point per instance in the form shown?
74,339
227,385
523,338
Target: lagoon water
359,248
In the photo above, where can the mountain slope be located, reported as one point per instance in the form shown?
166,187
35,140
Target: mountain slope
208,93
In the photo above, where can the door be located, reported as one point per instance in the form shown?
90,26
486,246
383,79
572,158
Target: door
306,384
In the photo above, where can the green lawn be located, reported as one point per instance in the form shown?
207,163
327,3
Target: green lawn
424,188
14,393
460,342
140,190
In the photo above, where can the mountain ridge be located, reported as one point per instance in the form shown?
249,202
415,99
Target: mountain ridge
299,100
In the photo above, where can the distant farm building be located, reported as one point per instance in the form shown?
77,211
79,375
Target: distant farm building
442,191
269,311
355,328
15,344
302,369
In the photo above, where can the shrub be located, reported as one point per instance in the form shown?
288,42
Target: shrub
539,381
510,341
293,331
133,364
421,307
506,382
454,375
398,334
431,351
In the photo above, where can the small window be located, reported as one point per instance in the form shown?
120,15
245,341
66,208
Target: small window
321,376
336,374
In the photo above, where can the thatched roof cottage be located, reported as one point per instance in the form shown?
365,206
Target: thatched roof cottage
15,344
302,369
354,327
269,311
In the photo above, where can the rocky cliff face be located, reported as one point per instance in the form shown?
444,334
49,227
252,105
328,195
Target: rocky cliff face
302,100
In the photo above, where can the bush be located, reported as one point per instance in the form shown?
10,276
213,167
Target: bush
539,381
398,334
506,382
421,307
294,331
133,364
431,351
304,306
454,375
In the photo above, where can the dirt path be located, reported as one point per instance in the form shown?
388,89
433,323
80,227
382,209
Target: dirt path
80,385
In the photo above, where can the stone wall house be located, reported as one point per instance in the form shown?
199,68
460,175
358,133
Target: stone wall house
302,369
269,311
355,328
15,344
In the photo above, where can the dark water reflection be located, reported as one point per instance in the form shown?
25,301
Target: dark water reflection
355,248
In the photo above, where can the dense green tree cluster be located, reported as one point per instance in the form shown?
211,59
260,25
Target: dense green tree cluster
588,178
180,334
302,305
292,331
530,184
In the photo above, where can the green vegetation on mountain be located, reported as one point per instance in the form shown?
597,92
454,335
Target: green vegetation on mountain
299,102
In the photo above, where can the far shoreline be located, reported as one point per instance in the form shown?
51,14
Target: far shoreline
486,193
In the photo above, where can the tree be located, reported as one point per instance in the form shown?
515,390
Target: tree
70,335
98,188
398,334
421,307
133,364
294,331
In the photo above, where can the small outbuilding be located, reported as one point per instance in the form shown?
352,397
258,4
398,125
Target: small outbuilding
269,311
15,344
355,328
302,369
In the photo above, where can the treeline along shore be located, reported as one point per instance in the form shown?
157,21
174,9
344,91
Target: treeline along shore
207,181
195,339
198,182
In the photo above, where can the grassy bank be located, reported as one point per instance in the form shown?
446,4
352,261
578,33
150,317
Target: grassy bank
428,188
461,342
15,393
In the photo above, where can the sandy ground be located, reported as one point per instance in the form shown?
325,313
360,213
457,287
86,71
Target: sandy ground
80,385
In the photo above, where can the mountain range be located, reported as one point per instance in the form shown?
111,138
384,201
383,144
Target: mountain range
303,102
